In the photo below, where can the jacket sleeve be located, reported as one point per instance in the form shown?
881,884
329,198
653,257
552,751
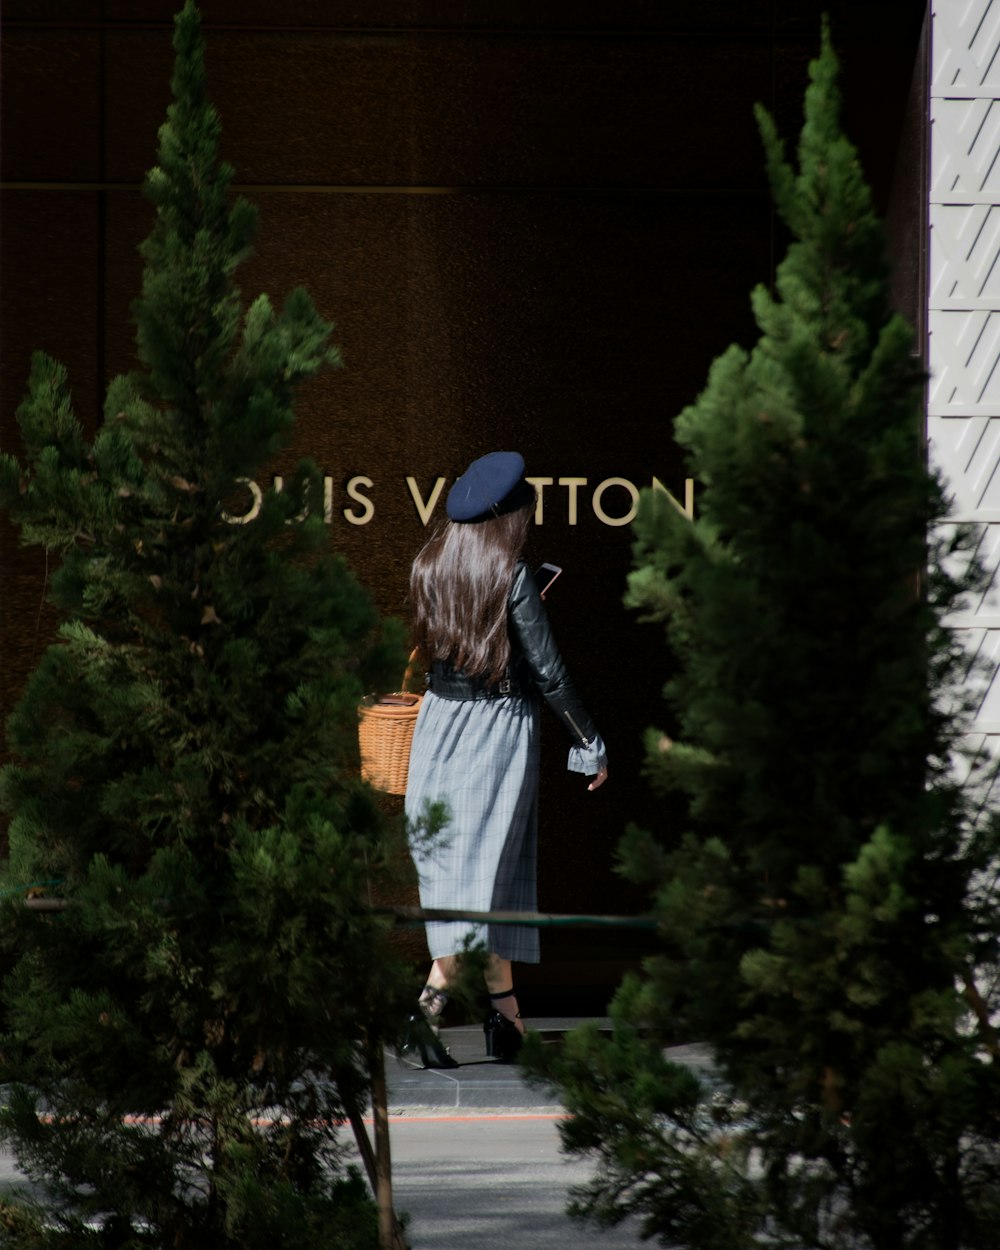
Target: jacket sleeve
532,637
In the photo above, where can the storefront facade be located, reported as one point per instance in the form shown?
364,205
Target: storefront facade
533,230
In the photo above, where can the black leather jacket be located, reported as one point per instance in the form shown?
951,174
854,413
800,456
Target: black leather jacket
536,664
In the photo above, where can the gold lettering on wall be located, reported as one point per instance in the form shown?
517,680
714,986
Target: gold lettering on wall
604,500
685,509
366,504
599,497
572,483
256,499
279,485
539,484
424,510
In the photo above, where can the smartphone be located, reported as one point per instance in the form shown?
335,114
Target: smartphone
545,575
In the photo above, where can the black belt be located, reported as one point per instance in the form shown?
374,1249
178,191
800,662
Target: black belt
458,686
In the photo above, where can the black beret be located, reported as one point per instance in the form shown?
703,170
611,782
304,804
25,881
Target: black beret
491,485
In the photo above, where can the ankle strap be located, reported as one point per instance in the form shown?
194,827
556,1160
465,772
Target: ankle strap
503,994
434,994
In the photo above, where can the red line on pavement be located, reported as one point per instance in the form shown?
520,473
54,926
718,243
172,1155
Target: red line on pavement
423,1119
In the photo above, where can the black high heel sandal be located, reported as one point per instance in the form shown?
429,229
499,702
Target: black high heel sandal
503,1037
420,1039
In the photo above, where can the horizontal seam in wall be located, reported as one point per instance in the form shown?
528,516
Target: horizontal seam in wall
264,188
663,33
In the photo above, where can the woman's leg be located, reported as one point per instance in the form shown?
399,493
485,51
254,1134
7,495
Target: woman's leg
434,994
500,983
499,979
422,1036
442,971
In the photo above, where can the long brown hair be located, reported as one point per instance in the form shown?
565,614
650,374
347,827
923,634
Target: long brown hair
458,592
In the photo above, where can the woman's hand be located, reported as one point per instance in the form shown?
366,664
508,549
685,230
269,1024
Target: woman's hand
599,780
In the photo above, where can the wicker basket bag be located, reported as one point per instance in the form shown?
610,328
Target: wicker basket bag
385,733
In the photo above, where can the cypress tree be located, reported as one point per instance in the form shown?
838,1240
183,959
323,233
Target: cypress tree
184,1027
826,923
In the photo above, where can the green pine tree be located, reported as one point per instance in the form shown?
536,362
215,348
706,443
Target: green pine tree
181,1038
825,916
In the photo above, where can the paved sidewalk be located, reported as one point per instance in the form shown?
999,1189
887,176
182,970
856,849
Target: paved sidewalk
479,1084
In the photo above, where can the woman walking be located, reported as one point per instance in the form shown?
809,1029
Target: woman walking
480,623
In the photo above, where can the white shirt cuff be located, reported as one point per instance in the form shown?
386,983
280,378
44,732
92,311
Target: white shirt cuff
589,760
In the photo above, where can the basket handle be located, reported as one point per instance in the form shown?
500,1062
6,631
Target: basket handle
410,666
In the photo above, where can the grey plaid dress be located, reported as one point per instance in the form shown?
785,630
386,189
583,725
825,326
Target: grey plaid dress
479,757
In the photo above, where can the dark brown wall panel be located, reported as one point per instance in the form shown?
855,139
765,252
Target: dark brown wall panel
50,276
64,12
446,109
490,15
50,105
50,279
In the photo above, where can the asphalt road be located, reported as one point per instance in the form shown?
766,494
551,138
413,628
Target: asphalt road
479,1183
